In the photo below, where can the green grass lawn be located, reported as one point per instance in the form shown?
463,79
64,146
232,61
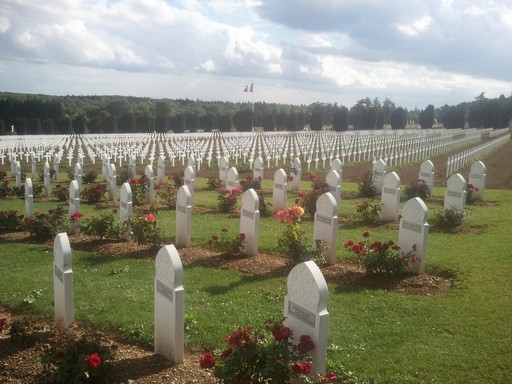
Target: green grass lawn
385,336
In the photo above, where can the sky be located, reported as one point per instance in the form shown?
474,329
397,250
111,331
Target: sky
414,52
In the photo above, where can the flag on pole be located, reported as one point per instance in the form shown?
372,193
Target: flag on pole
246,88
252,84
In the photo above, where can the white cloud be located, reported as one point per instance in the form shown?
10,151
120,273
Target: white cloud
444,49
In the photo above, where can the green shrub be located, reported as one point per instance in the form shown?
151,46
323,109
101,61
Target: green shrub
93,193
89,177
230,246
307,200
78,354
368,212
104,226
381,257
11,220
449,218
228,199
366,186
60,193
213,183
416,188
45,226
144,229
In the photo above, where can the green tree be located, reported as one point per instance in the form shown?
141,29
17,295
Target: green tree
426,117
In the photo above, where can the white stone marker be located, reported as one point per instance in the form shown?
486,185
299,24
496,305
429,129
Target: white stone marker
379,171
189,180
413,232
125,206
477,177
250,221
427,174
62,281
232,179
333,181
29,198
112,182
149,194
296,175
223,169
78,175
183,217
325,226
105,162
33,159
56,161
455,194
279,190
305,309
74,205
169,305
17,170
132,164
258,168
47,179
160,172
336,165
390,197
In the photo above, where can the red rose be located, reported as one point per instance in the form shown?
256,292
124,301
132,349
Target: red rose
282,333
306,344
206,361
366,234
93,361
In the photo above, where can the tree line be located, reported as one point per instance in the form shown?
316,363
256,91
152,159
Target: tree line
46,114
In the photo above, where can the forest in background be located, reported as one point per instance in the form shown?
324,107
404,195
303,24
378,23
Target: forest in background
32,114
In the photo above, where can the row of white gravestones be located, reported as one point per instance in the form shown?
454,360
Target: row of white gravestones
305,304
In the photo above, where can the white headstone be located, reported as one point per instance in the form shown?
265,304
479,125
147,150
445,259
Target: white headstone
477,177
189,180
333,181
336,165
390,197
125,206
150,190
326,224
427,174
169,305
47,179
78,175
250,221
29,198
296,175
305,309
33,158
258,168
379,171
232,179
74,205
223,170
62,281
160,173
112,182
455,195
56,161
413,232
17,168
132,164
184,217
279,191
